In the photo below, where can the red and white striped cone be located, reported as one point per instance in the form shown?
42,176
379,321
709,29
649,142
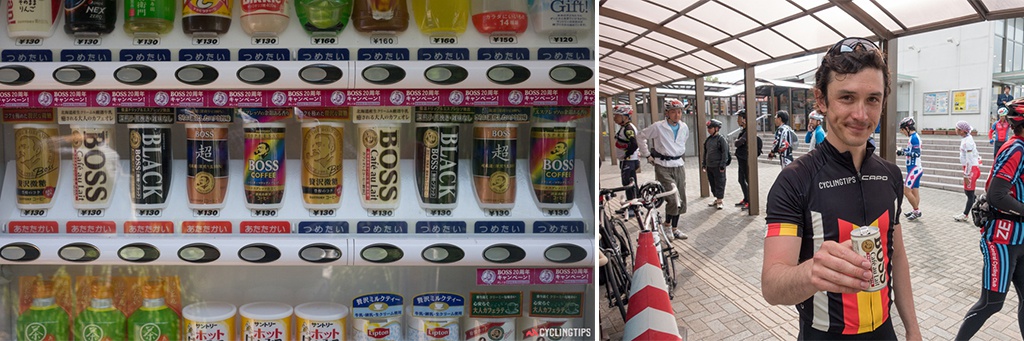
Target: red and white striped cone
650,315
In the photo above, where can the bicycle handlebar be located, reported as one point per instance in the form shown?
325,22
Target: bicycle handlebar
607,191
672,191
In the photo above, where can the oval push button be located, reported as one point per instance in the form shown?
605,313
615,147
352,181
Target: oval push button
78,252
508,74
138,253
258,74
16,75
443,253
259,253
19,252
570,74
382,253
320,74
135,74
504,253
74,75
320,253
196,74
198,253
565,253
383,74
445,74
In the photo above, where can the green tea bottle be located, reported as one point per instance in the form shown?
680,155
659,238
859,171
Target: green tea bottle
154,320
101,321
44,320
323,16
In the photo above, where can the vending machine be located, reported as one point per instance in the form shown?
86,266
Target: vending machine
297,170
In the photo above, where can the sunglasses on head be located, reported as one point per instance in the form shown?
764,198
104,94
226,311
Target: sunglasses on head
852,44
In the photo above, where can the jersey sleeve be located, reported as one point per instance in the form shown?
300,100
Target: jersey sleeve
632,145
1007,166
785,206
896,178
915,146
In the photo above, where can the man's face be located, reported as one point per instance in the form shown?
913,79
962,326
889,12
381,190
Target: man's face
812,124
619,119
854,106
1006,91
742,121
713,130
673,115
778,121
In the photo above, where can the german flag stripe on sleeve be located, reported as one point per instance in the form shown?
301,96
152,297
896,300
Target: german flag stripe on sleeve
781,229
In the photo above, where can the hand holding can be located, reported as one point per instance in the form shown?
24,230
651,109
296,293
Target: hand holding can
867,242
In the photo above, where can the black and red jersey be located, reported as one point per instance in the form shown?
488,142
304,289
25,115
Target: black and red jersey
821,196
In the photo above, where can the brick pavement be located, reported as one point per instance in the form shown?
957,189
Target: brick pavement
719,298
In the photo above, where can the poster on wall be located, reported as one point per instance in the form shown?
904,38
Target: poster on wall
967,101
936,103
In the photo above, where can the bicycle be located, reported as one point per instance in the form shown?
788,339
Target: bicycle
650,198
616,251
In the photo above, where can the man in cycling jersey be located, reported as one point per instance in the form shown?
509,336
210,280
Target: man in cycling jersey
818,200
785,139
663,144
627,150
1000,132
912,185
815,135
1002,238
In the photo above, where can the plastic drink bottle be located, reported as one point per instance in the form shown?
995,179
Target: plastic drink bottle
441,16
31,18
380,15
154,320
264,18
327,16
562,16
101,321
500,16
148,16
206,16
44,320
84,16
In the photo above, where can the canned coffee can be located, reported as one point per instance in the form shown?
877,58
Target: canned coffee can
867,242
94,164
264,164
150,162
378,166
322,153
552,162
437,164
207,164
37,164
494,164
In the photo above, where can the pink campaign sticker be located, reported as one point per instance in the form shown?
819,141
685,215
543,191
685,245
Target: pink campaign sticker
561,276
503,276
14,99
311,98
363,97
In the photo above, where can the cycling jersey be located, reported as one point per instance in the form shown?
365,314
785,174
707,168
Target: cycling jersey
1008,166
821,197
1001,130
625,143
913,151
785,140
815,137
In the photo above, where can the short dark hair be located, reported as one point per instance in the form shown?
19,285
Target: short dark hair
783,115
849,63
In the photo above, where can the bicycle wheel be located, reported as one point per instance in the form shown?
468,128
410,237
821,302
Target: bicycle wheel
618,227
668,268
616,285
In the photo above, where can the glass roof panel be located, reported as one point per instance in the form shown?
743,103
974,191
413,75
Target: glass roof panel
656,46
657,75
619,63
914,13
877,13
649,80
723,18
625,84
622,25
631,60
808,32
677,5
713,59
657,55
696,63
742,51
670,41
613,67
695,29
847,25
640,9
771,43
808,4
603,51
765,11
617,34
998,5
665,71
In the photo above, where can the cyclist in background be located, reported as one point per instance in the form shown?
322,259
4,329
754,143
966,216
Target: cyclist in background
971,162
716,158
663,144
815,135
912,185
785,139
627,150
1000,132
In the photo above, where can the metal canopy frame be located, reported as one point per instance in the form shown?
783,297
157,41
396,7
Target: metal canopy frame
766,42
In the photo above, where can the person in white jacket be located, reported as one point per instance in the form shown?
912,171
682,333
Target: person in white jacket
663,144
971,161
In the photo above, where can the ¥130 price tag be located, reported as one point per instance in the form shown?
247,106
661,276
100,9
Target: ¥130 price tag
148,41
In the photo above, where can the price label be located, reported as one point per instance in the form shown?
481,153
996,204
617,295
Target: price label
323,40
444,40
563,39
556,213
322,213
384,40
90,213
504,39
205,213
149,213
440,213
381,213
499,213
264,41
29,42
206,41
33,213
146,41
88,41
264,213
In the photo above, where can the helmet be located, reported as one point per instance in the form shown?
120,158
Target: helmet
1015,112
816,116
713,123
907,123
651,189
623,110
1002,111
964,126
673,103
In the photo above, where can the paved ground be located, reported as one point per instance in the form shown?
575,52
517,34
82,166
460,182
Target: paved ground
719,295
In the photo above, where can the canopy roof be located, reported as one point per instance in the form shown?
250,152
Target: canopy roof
644,43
